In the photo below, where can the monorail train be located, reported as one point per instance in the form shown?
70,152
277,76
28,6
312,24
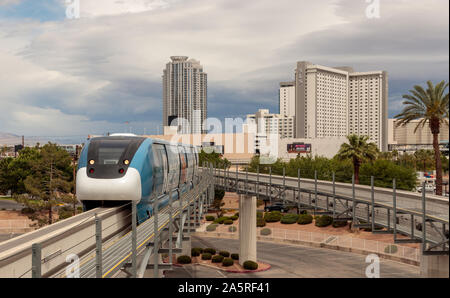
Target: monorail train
118,169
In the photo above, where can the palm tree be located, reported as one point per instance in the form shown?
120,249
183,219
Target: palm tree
430,106
358,150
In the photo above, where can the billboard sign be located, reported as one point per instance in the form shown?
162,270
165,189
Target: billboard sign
299,148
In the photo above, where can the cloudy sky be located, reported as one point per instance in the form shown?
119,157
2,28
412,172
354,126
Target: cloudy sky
73,77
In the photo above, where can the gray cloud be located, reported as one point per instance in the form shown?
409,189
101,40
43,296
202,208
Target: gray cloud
95,73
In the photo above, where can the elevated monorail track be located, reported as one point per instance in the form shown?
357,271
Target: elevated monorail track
398,212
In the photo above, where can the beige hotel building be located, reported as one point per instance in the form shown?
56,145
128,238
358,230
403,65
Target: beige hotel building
336,102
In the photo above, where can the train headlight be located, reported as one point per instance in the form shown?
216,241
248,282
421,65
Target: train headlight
91,162
126,162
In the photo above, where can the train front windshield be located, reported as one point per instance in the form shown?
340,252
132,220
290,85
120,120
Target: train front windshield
110,151
110,157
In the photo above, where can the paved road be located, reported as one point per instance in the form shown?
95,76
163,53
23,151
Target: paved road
10,205
295,262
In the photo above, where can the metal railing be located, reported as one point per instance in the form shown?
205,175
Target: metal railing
327,240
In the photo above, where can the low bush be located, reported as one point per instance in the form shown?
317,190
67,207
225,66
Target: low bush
227,262
210,218
324,221
391,249
236,214
63,214
221,220
27,210
265,232
339,224
234,217
259,214
228,222
250,265
184,260
273,216
235,257
211,228
211,251
232,229
304,212
304,219
289,219
260,222
217,259
224,253
206,256
196,251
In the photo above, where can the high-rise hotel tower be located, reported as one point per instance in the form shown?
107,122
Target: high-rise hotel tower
336,102
185,89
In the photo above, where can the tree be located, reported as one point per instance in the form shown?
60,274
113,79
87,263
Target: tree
214,158
50,181
358,150
431,107
14,171
424,159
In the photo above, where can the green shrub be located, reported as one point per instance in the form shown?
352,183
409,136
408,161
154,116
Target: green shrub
79,209
227,262
339,224
259,214
236,214
289,219
224,253
210,218
228,222
235,257
63,214
234,217
221,220
232,229
265,232
324,221
303,212
27,210
206,256
391,249
273,216
211,228
196,251
304,219
211,251
219,194
184,260
250,265
217,259
260,222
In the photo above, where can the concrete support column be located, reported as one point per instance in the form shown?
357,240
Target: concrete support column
247,228
434,266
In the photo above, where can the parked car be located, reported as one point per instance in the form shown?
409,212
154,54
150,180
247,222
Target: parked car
277,206
428,188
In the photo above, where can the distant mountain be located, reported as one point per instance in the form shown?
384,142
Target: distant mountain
11,140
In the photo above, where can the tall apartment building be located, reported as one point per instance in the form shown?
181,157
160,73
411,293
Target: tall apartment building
335,102
267,124
368,106
185,94
287,99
